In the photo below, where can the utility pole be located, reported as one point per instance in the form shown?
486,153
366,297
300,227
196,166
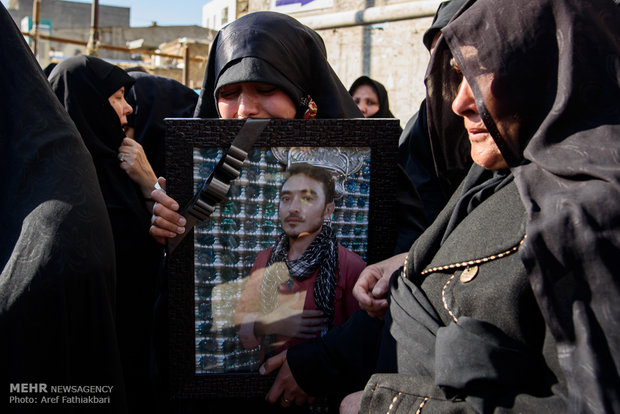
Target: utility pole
93,39
185,79
36,19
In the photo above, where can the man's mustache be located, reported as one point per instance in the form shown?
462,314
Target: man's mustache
294,216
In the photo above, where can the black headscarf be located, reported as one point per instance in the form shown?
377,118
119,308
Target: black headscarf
449,143
445,13
555,66
382,95
83,84
427,188
288,54
48,69
153,99
56,251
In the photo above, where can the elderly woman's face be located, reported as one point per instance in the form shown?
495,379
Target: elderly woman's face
120,105
484,150
498,106
254,100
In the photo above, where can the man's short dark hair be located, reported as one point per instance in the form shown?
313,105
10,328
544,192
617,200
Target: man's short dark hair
317,173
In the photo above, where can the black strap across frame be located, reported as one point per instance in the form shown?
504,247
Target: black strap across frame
213,190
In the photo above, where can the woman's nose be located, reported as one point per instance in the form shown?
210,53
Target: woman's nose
248,106
128,109
464,102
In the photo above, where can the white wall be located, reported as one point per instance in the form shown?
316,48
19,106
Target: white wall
218,13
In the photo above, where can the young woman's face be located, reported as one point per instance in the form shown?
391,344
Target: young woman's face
366,99
254,100
120,105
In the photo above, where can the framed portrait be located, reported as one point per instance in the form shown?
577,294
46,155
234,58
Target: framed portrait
208,272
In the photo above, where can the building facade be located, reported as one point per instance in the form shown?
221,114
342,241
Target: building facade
218,13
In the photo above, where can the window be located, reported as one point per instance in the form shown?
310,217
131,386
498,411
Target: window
224,16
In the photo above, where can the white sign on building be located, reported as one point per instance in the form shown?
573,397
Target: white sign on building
292,6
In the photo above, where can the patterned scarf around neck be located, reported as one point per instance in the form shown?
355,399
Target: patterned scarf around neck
322,254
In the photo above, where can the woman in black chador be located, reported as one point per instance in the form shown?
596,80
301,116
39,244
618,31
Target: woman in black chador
510,300
92,92
277,64
276,49
153,99
56,251
371,97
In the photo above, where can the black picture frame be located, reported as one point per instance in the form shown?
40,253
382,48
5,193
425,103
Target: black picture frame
183,137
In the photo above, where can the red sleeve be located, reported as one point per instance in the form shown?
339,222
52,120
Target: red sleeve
351,265
261,259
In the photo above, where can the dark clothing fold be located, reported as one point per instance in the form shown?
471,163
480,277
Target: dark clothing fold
341,361
57,282
457,347
429,185
452,351
411,215
416,157
421,192
83,85
457,339
445,13
153,99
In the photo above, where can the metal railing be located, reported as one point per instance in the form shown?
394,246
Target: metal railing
185,56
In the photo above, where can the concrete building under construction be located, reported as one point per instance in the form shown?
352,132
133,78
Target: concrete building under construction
121,44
